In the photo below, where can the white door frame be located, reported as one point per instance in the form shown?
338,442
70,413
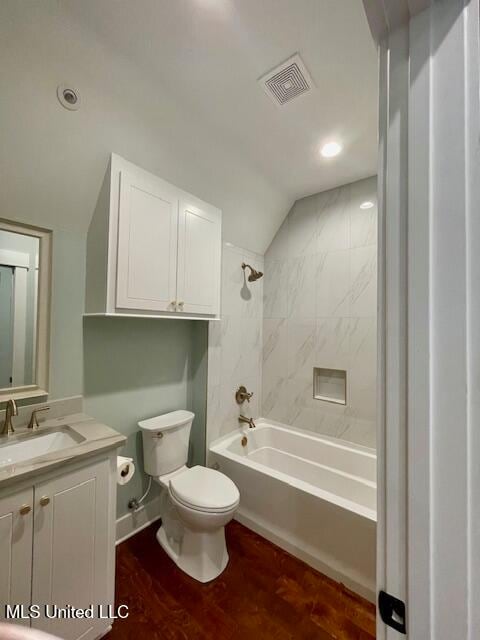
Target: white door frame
392,325
20,263
429,301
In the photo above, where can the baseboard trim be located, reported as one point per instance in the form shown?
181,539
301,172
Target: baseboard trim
131,523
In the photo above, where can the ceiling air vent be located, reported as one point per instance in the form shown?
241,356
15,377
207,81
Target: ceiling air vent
287,81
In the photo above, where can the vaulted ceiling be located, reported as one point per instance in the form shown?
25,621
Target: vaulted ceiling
172,85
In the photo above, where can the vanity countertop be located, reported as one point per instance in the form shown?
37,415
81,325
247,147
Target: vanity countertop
95,437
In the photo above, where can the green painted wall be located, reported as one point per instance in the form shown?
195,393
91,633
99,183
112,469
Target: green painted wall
197,390
137,368
68,305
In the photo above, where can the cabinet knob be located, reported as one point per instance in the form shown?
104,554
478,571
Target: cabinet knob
24,509
180,305
44,500
173,303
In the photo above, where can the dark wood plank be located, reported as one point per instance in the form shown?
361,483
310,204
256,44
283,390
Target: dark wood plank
265,593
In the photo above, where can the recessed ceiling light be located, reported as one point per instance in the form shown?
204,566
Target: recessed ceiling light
367,205
331,149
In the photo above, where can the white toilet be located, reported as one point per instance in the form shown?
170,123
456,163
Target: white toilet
200,501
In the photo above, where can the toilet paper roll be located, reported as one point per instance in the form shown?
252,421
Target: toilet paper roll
125,469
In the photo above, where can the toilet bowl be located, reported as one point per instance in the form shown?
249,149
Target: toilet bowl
201,502
198,502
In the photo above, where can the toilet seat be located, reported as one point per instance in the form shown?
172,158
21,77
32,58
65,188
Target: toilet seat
205,490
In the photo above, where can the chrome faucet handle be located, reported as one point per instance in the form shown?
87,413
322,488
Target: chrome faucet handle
242,394
33,424
10,410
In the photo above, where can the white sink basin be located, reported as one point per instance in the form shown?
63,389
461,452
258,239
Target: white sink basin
27,448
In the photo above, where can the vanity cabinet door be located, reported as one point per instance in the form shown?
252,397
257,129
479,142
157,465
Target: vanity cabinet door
16,517
147,244
72,561
199,259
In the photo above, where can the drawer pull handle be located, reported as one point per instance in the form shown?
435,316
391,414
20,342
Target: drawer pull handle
44,500
24,509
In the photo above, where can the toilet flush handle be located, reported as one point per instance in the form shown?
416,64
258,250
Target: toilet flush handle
159,435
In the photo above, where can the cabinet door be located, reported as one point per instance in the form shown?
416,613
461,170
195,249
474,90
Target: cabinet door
199,259
72,543
16,517
147,244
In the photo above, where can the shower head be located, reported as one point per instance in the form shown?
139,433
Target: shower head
254,274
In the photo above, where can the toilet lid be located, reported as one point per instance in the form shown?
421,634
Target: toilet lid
205,489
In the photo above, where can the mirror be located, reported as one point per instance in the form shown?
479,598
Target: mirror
24,310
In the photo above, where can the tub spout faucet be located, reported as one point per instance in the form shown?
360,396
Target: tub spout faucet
249,421
10,410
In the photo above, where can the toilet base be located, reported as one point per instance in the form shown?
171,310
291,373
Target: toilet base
202,556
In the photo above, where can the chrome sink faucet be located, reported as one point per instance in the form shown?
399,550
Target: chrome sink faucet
249,421
10,410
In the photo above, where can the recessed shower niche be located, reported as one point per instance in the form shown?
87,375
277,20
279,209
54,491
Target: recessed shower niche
330,385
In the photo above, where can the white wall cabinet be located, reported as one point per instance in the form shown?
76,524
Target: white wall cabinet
199,259
152,249
147,244
57,540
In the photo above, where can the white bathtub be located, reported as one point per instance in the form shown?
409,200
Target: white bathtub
311,495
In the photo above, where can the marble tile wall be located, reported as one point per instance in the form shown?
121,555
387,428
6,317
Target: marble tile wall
320,311
235,344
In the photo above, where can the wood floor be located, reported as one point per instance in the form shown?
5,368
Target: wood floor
264,593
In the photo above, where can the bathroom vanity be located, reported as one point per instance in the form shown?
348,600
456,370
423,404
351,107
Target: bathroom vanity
57,523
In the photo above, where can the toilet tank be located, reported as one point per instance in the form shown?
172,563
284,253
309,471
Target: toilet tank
165,442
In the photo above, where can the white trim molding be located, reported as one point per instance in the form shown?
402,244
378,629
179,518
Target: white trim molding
134,521
385,16
392,320
14,259
20,263
429,436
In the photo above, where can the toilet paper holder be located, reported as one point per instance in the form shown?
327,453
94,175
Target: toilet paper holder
125,471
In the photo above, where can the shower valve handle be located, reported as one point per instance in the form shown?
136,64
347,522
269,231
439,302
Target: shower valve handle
242,394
